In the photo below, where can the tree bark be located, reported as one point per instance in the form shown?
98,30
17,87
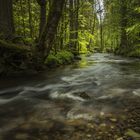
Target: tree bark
123,25
23,17
48,35
74,24
101,26
30,18
43,12
6,18
71,26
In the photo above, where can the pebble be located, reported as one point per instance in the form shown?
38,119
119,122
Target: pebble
89,135
113,119
120,138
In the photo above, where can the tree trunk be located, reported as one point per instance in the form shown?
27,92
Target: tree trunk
23,17
123,24
76,24
101,26
43,11
30,18
6,18
71,26
48,35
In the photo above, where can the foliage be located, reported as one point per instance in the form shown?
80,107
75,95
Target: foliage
62,57
132,134
65,56
133,31
135,52
122,35
52,60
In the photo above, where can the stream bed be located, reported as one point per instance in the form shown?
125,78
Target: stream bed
97,98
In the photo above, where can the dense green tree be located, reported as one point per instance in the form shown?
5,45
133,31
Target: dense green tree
122,26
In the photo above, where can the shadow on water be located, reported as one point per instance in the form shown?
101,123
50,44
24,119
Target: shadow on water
91,94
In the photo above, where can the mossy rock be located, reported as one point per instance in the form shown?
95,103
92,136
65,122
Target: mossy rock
61,58
14,58
133,134
10,46
65,56
52,61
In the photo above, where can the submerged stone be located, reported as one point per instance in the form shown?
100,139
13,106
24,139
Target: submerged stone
83,95
133,134
21,136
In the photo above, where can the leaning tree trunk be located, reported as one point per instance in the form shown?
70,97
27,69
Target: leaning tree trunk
48,35
6,19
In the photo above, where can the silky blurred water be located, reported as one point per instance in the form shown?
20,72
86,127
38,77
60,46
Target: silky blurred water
98,83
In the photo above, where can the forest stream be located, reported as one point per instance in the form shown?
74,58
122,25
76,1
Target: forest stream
97,98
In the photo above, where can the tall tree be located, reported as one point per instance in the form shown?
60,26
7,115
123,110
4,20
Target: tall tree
71,17
100,14
42,4
74,24
48,35
123,24
30,18
6,18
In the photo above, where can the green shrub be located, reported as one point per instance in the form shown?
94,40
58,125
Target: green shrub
135,53
52,60
63,57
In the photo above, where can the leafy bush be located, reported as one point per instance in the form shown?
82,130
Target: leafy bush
63,57
135,52
52,60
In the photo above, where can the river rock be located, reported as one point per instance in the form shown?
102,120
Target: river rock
83,95
120,138
136,92
133,134
113,119
22,136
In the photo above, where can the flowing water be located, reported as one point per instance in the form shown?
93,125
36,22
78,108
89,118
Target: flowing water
96,85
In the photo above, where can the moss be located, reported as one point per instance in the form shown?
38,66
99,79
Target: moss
132,134
63,57
52,60
14,58
14,47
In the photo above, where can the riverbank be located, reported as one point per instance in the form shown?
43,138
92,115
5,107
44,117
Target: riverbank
18,59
